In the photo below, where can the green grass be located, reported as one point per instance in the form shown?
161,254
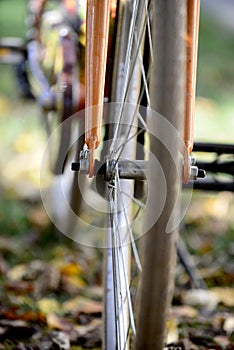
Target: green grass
215,63
13,217
8,84
12,18
12,24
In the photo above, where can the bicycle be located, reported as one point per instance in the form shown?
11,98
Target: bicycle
133,19
132,69
122,166
173,67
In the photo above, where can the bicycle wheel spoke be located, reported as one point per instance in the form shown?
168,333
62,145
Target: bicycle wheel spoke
134,73
120,272
129,67
123,298
116,274
129,229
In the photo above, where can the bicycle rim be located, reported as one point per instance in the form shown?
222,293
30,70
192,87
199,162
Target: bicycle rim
138,285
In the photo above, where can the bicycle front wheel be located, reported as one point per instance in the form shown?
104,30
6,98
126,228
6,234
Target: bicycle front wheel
149,71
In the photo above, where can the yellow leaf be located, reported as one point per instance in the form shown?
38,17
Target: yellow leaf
172,329
74,281
47,305
225,295
71,269
17,272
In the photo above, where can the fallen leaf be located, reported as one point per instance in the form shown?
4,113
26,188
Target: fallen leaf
71,269
33,316
61,339
200,297
72,284
228,325
60,323
82,305
225,295
38,217
218,320
172,330
91,334
17,272
29,272
48,305
19,287
48,280
184,311
94,292
222,340
13,323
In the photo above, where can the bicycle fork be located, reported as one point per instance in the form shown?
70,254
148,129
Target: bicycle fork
97,33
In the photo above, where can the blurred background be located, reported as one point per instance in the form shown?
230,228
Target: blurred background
25,231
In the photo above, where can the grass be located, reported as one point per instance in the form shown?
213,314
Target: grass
12,18
18,223
215,63
12,24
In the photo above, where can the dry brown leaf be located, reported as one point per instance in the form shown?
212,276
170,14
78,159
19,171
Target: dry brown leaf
38,217
72,284
218,319
82,305
94,292
222,340
225,295
200,297
60,323
19,287
184,311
